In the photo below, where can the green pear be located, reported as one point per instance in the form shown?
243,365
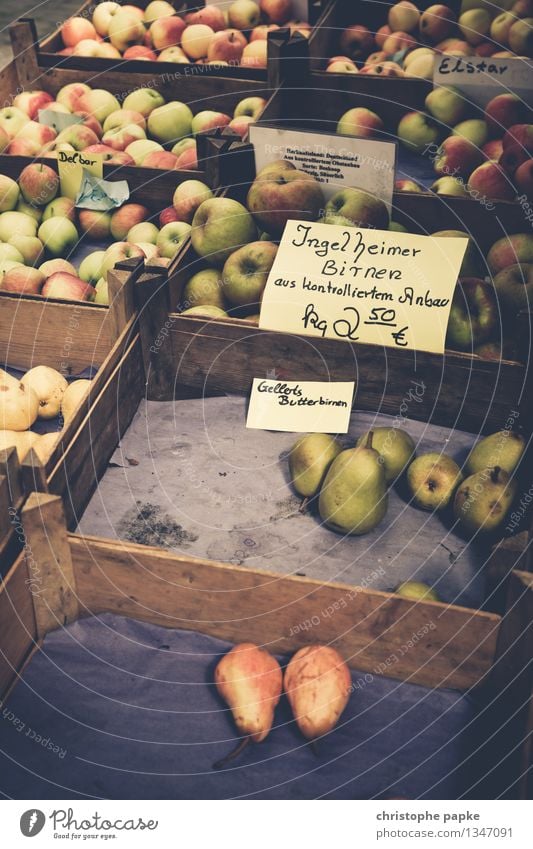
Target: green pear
354,499
395,448
483,500
432,479
309,460
503,449
417,591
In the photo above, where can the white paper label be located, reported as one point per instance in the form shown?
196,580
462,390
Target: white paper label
358,285
482,78
300,406
58,120
335,161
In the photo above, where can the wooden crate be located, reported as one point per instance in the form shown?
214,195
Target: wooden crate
85,576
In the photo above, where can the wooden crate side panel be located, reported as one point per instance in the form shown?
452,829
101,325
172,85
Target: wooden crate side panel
425,643
17,622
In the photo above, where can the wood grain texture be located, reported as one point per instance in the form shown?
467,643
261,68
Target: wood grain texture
49,562
18,631
452,647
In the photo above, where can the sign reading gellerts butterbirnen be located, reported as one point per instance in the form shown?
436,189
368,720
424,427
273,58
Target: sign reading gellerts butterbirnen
358,285
300,405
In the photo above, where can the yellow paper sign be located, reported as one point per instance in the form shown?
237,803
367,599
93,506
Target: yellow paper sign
309,406
71,166
371,286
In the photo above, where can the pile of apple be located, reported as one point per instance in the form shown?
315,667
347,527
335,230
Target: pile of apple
406,45
207,36
146,130
42,394
484,155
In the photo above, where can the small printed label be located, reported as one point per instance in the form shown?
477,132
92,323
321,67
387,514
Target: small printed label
335,161
482,78
300,406
357,285
72,165
58,120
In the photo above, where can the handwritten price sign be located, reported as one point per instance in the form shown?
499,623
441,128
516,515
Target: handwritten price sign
368,286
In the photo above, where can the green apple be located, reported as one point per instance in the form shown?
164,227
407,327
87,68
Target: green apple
475,25
9,193
417,132
474,130
63,207
250,107
171,237
144,232
246,271
205,287
10,252
183,145
144,100
16,224
449,186
98,102
139,149
30,247
514,287
432,480
58,235
102,292
358,207
473,314
170,122
447,104
28,209
219,227
90,269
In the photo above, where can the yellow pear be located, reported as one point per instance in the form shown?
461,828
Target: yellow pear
19,405
318,685
72,397
21,440
309,460
49,386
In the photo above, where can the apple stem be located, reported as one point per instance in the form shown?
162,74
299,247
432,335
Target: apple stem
240,747
303,505
370,439
495,474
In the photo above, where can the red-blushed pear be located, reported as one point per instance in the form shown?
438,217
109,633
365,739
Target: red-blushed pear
196,39
68,287
167,215
244,14
473,315
417,132
356,208
119,252
171,237
38,183
32,101
509,250
70,95
504,111
166,32
255,55
9,193
226,46
12,120
260,33
208,120
357,41
450,186
436,23
75,29
143,100
457,157
493,149
123,118
95,224
279,194
119,138
404,16
102,16
187,198
59,236
23,280
125,29
318,685
30,247
521,37
220,226
276,11
490,180
53,266
211,16
361,123
126,217
163,159
78,135
241,125
140,52
523,178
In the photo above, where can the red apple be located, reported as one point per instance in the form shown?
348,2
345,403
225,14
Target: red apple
437,22
457,157
188,160
226,46
504,111
68,287
139,51
24,280
76,29
161,159
523,178
486,48
491,181
241,125
493,149
167,215
261,32
513,156
96,225
166,32
38,183
407,186
518,134
356,41
24,147
276,11
211,16
31,101
90,121
126,217
209,120
361,123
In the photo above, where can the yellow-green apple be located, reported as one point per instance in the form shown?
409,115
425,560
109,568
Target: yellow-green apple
188,197
123,219
12,120
174,54
92,49
60,206
357,41
341,68
143,232
30,247
220,226
417,132
514,287
125,29
138,150
58,235
437,22
32,101
170,122
95,224
493,149
38,183
475,25
407,186
523,178
119,138
244,14
361,123
163,159
183,145
446,104
195,40
212,16
450,186
421,68
158,9
23,280
279,194
355,207
16,224
503,111
414,54
255,55
119,252
208,120
241,125
52,266
75,29
98,102
491,181
473,314
149,250
34,211
102,16
78,136
475,130
123,118
143,100
68,287
509,250
403,16
5,266
226,46
140,52
69,96
166,32
90,269
204,287
457,157
261,32
11,253
246,271
521,37
500,26
9,193
171,237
